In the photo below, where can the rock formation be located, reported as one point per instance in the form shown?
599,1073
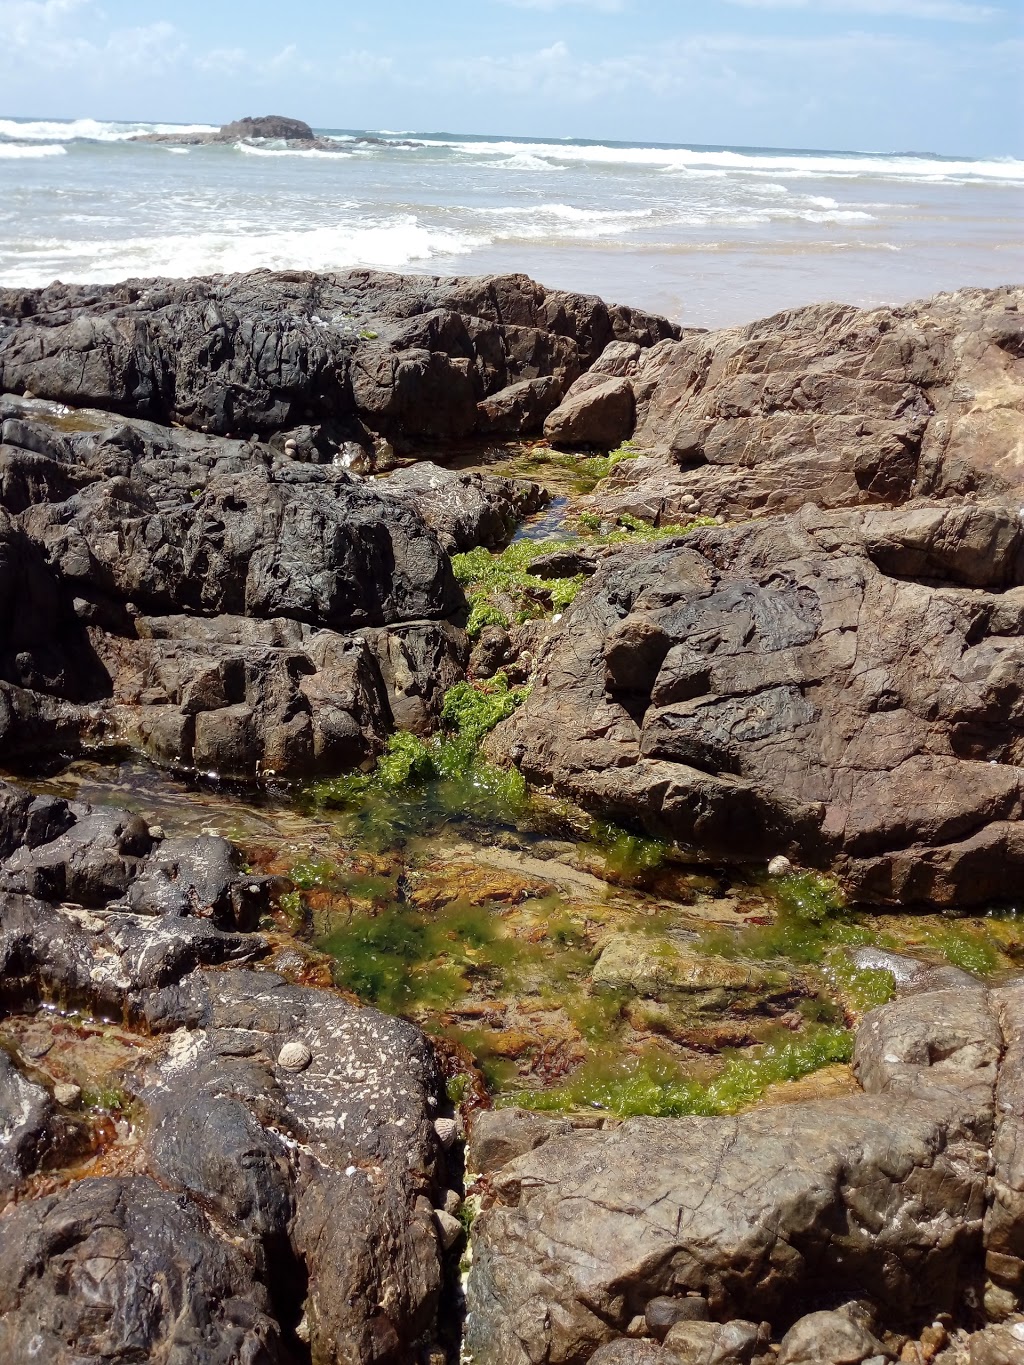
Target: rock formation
354,356
877,1200
256,1207
844,686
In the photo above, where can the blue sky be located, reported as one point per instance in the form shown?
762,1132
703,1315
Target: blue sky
880,75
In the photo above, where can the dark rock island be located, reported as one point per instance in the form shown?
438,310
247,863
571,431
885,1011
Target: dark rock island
267,128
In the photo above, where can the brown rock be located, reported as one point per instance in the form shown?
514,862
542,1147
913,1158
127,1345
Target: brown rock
772,689
832,405
836,1338
594,415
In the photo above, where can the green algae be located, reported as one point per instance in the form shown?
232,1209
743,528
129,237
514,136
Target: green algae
503,591
471,711
627,857
973,950
812,919
420,782
655,1085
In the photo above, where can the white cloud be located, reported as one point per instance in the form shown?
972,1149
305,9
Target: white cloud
950,11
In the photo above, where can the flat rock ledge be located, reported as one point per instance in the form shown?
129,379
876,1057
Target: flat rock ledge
246,1208
896,1206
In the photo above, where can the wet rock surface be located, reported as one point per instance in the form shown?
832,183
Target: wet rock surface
273,1204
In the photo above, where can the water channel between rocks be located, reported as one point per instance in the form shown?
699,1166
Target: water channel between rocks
559,963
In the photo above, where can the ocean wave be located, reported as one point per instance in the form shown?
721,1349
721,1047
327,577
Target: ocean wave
568,213
841,164
12,151
90,130
310,153
388,245
524,161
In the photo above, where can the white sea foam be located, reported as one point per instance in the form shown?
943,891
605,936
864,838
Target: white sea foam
1006,170
524,161
11,151
310,153
392,244
91,130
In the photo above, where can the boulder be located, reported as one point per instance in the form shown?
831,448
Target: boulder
520,409
714,1343
776,688
465,510
837,1338
498,1136
662,1313
881,1194
593,415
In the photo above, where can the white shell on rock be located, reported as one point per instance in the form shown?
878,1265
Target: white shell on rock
780,867
67,1094
447,1130
294,1056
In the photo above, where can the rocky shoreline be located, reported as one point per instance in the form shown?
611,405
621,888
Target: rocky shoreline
789,628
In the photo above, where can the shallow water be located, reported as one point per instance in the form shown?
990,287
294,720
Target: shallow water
500,935
710,236
569,964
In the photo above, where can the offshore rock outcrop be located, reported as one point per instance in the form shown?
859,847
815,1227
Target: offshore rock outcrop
256,1209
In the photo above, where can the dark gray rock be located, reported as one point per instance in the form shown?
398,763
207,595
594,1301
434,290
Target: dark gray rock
116,1269
408,356
29,1126
311,544
93,863
465,510
520,409
200,876
663,1312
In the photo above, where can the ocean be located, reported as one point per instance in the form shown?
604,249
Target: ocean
708,235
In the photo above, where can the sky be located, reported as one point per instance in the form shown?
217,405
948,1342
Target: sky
874,75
